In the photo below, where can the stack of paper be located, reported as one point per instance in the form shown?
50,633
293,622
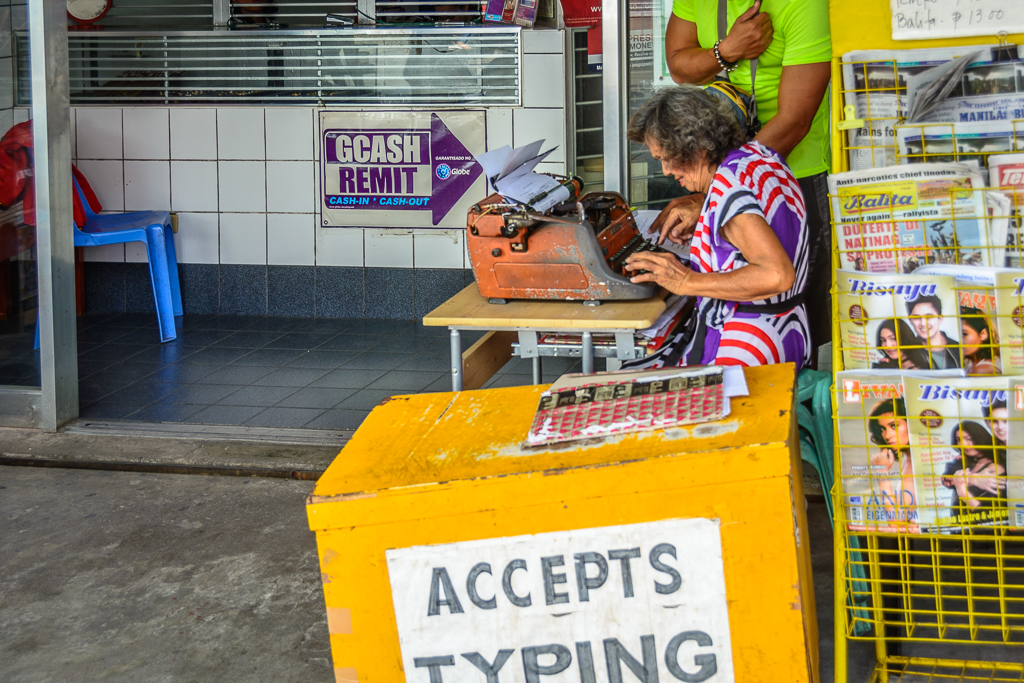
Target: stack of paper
510,172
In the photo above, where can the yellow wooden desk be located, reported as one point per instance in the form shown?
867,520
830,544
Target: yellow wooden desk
468,310
445,546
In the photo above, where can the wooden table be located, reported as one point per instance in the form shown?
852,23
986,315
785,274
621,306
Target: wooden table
467,310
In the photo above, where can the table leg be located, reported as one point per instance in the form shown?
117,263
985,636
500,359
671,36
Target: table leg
456,360
588,352
537,379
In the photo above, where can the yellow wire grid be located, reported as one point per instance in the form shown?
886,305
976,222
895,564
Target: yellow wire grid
948,568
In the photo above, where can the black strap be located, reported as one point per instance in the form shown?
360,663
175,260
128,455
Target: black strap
723,31
772,309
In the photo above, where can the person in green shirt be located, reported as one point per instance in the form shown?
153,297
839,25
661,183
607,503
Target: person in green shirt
793,47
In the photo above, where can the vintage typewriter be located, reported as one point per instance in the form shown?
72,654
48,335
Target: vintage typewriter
574,251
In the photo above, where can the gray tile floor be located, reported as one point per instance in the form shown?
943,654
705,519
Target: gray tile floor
265,371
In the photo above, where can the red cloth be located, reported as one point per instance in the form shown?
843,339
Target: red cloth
16,169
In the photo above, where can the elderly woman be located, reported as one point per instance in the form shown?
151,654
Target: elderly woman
748,252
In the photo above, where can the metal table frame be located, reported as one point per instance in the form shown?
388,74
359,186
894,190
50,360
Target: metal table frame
625,346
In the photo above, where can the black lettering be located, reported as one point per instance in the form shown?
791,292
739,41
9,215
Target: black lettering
474,597
708,663
439,581
434,664
585,657
506,584
585,583
616,655
624,556
490,670
655,557
550,579
534,670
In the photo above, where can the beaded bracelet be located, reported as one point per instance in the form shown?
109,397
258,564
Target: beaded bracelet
728,66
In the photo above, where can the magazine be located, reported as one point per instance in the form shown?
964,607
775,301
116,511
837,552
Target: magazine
959,460
1010,305
875,82
1010,419
888,321
1006,171
896,219
979,317
874,452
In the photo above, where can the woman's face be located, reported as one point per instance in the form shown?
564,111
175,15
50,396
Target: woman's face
998,421
686,177
894,432
972,339
889,343
966,443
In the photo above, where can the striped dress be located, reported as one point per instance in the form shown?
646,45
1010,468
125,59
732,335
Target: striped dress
755,180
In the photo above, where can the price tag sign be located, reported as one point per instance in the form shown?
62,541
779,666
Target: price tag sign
923,19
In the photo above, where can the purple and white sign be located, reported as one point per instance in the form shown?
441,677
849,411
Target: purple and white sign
418,163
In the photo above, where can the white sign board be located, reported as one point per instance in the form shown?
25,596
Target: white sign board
624,603
922,19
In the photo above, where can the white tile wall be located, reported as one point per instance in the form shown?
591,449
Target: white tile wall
74,133
289,186
551,167
99,133
290,133
146,133
243,186
135,252
7,120
197,239
499,128
530,124
21,114
108,252
5,31
19,18
243,238
438,248
193,185
339,246
291,239
387,249
240,134
193,133
147,186
107,180
6,83
543,81
543,41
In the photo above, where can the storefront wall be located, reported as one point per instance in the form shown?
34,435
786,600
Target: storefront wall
244,182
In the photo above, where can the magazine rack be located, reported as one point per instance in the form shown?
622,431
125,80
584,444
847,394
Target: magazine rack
955,591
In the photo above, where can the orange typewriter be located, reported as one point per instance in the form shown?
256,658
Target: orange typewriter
576,250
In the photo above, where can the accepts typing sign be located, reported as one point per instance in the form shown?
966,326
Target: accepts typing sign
635,602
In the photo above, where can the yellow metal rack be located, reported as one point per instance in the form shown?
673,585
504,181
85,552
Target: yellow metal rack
902,591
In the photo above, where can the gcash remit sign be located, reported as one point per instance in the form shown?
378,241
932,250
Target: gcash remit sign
643,602
417,163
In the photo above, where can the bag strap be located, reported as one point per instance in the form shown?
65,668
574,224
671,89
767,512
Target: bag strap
723,31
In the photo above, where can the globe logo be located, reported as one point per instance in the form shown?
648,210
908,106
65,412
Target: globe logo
443,171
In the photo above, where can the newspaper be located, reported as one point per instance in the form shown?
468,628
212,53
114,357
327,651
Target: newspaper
888,321
962,142
1008,422
898,218
874,83
927,89
958,460
1006,171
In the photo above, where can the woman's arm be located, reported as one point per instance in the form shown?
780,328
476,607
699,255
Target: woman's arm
768,271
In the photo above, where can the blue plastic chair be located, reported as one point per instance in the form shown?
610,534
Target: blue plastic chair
154,229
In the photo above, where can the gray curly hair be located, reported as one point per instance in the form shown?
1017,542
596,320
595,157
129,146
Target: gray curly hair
687,124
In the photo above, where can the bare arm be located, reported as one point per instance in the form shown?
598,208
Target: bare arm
768,271
688,62
801,89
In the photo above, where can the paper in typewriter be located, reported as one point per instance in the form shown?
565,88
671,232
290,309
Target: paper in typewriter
589,406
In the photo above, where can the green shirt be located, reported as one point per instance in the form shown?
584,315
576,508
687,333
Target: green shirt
801,37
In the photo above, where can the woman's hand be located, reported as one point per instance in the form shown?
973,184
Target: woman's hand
885,457
664,269
749,37
984,476
677,221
